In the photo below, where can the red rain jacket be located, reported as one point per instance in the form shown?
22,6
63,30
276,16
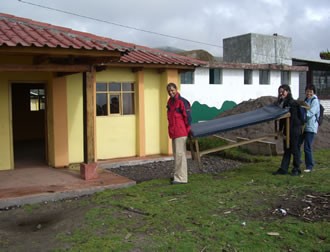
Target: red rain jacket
178,122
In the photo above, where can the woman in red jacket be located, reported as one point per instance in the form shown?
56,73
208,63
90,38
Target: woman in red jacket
179,120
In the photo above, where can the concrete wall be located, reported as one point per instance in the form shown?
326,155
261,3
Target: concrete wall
257,49
233,87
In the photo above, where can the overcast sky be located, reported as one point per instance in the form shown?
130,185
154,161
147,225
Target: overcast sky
307,22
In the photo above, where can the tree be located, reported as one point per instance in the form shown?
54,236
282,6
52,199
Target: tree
325,55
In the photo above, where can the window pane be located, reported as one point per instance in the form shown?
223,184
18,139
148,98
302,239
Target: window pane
114,86
42,101
263,77
101,104
285,77
215,76
182,78
321,80
41,92
187,77
128,87
34,105
211,75
128,104
248,76
190,76
101,86
37,99
114,104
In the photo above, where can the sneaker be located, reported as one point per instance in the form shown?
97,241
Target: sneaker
308,170
280,172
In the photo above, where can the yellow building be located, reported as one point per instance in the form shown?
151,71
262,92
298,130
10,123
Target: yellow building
73,97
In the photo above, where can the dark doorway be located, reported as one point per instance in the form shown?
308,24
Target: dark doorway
28,114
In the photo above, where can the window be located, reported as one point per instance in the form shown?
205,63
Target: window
264,77
114,98
248,73
285,77
321,81
215,75
37,99
187,77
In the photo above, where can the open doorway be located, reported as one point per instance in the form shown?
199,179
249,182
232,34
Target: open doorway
29,124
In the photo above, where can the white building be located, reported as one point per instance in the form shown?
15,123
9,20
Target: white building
254,65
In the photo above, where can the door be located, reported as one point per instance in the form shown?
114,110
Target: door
28,124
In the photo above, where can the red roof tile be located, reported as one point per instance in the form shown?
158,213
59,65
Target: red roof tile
17,31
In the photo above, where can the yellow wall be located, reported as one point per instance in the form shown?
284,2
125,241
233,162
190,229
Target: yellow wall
6,150
152,111
170,75
75,118
57,111
116,135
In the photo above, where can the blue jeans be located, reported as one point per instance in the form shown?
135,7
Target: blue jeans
307,138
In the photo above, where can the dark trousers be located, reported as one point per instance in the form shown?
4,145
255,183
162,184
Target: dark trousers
292,150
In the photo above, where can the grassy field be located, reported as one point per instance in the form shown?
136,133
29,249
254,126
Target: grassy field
246,209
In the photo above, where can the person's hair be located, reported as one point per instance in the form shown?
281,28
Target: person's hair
171,85
310,87
286,88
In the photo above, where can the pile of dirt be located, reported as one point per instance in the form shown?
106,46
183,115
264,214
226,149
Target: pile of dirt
321,141
199,54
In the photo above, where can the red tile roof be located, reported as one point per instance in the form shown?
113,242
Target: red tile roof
18,31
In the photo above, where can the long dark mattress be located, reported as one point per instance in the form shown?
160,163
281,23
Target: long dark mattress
264,114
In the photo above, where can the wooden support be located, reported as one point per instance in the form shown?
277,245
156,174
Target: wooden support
89,104
197,154
287,136
235,144
194,150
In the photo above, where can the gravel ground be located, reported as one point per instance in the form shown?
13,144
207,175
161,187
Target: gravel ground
164,169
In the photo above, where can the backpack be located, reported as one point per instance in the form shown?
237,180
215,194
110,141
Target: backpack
319,118
321,114
188,109
302,114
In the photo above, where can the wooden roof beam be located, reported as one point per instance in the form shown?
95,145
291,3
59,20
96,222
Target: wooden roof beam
43,68
59,51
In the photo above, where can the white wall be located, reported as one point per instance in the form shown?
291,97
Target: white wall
233,87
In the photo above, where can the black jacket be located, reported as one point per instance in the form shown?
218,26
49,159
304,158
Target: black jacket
295,121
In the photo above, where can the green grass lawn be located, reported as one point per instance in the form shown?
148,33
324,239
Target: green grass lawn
230,211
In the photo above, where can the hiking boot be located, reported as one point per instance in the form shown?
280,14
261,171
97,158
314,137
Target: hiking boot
178,182
280,172
295,173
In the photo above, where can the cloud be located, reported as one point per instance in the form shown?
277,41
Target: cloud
305,21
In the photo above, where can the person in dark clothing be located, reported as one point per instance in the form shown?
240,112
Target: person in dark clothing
285,100
178,110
